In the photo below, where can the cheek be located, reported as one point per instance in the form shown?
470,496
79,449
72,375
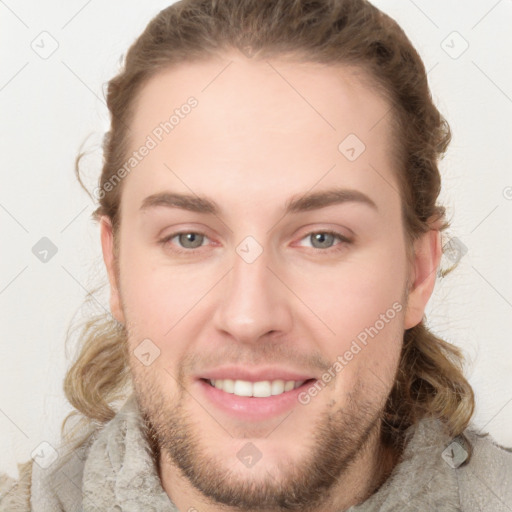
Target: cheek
362,303
158,297
352,296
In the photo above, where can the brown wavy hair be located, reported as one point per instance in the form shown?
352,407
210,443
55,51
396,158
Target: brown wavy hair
429,380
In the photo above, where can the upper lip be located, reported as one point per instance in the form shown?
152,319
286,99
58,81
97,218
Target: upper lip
254,374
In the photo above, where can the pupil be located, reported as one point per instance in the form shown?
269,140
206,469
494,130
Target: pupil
193,239
323,239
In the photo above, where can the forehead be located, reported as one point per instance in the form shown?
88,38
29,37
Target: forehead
261,130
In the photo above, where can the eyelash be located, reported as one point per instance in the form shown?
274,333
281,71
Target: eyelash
335,248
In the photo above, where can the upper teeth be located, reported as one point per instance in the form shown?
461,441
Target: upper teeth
258,389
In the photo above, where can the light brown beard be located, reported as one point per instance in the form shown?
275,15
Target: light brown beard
339,437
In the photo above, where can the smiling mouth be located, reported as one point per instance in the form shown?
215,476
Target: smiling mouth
260,389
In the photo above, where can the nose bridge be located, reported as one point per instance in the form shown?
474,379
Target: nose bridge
253,302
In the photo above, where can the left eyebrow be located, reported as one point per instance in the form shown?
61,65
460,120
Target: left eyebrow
307,202
317,200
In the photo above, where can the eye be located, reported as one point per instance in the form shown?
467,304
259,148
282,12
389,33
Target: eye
326,240
186,241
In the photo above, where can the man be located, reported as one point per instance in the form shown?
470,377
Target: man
269,227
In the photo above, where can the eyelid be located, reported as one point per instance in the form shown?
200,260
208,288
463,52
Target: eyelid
167,240
343,240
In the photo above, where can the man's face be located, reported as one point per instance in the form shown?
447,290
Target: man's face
255,293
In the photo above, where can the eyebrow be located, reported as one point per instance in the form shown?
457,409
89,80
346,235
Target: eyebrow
307,202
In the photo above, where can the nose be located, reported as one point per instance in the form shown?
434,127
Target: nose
254,302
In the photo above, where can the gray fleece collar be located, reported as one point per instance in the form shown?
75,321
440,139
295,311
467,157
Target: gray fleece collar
117,472
120,471
422,480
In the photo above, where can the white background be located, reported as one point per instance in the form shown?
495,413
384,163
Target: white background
49,107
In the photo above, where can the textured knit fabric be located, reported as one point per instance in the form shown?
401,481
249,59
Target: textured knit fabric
115,471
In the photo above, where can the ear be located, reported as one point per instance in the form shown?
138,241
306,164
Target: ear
107,246
427,256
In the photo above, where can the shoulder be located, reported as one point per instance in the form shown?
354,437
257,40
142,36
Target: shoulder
15,494
485,481
58,487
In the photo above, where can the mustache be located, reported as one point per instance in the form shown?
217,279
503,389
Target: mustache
259,355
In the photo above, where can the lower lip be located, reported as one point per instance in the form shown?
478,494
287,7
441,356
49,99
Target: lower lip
253,408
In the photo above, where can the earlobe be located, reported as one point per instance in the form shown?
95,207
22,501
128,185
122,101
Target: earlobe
427,256
107,247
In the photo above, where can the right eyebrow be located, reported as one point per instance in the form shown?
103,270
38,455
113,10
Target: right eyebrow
184,201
